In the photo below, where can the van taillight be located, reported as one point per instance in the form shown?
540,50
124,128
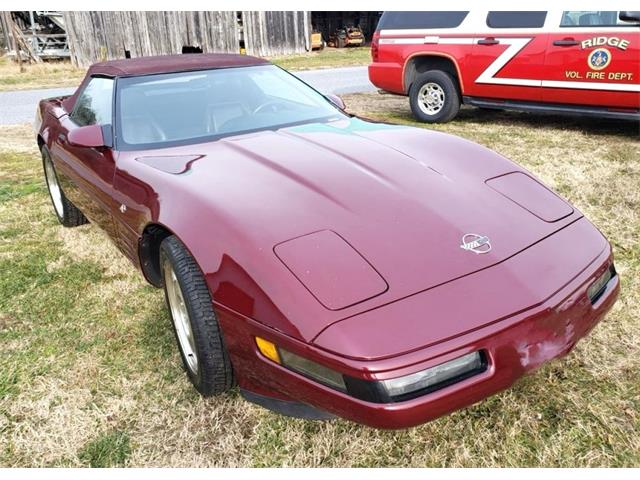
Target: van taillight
375,41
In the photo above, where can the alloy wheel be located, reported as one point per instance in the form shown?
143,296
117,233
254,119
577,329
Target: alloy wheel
180,317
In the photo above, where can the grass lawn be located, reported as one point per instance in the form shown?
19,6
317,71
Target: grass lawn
90,375
63,74
326,58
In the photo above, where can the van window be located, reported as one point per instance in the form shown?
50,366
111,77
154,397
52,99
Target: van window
516,19
399,20
593,19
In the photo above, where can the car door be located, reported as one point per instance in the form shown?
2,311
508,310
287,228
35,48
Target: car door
593,58
86,174
508,56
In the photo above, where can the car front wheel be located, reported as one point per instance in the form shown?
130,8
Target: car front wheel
194,321
434,97
68,214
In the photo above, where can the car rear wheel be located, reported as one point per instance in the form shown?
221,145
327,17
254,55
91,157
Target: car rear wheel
68,214
195,324
434,97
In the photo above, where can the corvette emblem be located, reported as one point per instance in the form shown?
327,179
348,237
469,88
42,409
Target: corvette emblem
476,243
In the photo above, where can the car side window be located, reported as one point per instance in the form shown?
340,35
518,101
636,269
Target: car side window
95,103
593,19
516,19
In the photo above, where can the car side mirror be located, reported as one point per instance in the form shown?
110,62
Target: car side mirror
336,100
629,16
91,136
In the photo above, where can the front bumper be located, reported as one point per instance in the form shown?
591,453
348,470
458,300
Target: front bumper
513,346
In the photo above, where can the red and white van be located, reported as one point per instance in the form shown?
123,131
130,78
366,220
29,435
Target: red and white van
583,62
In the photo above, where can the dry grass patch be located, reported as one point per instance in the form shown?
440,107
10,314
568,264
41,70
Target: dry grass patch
92,244
18,139
90,375
326,58
38,75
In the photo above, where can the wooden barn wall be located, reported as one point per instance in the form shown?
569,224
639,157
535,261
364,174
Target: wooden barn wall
5,39
276,33
97,36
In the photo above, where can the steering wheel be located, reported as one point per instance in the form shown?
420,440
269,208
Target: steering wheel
266,104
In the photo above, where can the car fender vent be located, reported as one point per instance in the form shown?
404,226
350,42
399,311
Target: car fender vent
175,164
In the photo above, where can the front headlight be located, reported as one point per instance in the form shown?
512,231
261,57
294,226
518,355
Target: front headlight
385,391
312,370
597,288
434,378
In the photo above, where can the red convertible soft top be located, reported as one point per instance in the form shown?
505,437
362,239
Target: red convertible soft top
132,67
171,63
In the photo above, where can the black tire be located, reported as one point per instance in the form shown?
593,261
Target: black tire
447,85
67,213
214,374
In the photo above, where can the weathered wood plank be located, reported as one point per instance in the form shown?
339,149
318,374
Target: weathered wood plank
97,36
275,33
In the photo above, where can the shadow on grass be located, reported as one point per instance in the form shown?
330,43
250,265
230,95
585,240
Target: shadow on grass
157,338
587,125
396,108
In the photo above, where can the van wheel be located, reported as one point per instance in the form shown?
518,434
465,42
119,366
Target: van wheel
434,97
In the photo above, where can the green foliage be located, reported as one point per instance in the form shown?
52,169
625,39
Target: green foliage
108,450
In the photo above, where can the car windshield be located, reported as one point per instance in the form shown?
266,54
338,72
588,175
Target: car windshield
183,108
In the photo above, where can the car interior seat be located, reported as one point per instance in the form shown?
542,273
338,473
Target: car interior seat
139,127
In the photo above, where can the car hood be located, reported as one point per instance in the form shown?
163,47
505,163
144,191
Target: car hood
351,215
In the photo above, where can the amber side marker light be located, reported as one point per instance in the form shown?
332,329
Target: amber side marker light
268,349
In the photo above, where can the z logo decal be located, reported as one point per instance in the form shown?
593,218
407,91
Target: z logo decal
515,46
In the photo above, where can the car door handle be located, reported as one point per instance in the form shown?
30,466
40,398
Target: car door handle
565,42
62,138
488,41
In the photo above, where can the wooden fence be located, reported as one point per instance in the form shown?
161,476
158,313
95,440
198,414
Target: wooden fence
276,33
96,36
5,28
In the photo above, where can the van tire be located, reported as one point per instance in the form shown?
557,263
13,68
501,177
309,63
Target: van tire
434,97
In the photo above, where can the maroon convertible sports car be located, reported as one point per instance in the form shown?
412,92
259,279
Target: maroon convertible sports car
327,264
